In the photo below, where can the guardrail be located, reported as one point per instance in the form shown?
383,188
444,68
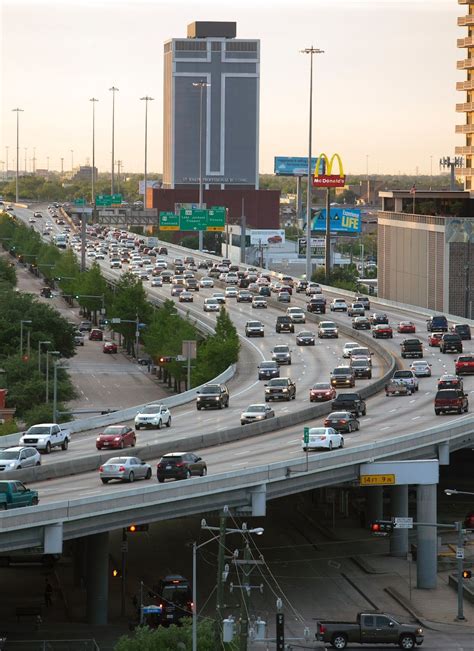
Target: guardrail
283,477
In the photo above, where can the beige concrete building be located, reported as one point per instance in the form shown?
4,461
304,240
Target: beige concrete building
424,250
467,87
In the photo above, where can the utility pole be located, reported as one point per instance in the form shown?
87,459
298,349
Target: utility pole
245,601
146,99
17,111
62,165
220,582
112,182
93,100
328,236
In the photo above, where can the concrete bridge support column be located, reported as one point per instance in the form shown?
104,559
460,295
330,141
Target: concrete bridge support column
399,509
97,578
374,504
427,540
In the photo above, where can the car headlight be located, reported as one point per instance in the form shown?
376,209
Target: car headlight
419,631
284,390
12,464
216,398
98,438
199,398
117,438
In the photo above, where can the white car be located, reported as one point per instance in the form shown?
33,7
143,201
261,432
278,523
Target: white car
348,346
296,314
16,458
230,292
211,305
313,288
115,263
259,302
421,368
408,378
232,278
161,264
338,305
322,438
206,282
153,415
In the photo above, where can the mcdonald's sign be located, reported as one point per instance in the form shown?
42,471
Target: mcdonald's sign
328,179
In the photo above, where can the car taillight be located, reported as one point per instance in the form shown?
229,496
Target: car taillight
323,438
101,469
179,465
341,422
322,628
121,468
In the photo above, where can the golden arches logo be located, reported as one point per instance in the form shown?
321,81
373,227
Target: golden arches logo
328,179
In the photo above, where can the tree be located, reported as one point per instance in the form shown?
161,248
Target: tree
218,351
90,289
171,638
128,303
7,272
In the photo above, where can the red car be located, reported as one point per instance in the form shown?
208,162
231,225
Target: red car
406,326
322,392
434,338
464,365
116,436
275,239
96,335
109,347
382,330
469,520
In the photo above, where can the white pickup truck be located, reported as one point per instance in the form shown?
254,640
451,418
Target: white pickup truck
45,437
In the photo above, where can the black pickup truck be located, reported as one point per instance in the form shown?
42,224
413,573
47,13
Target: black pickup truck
370,628
411,348
349,402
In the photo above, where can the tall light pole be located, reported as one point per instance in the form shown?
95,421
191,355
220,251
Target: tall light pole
48,353
6,149
22,322
310,50
367,176
62,165
201,85
41,343
17,111
26,168
47,163
146,99
72,159
93,100
55,385
112,181
34,160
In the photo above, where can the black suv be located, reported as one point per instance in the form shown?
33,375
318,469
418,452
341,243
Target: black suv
284,324
462,329
379,318
362,368
316,304
438,323
180,465
450,343
213,395
282,388
268,370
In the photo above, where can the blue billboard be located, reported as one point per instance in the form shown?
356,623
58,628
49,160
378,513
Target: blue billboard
343,220
295,165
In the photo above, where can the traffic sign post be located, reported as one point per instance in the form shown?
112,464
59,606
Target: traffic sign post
169,221
403,523
80,202
306,441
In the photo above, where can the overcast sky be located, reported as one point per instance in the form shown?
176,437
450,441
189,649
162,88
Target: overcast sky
385,86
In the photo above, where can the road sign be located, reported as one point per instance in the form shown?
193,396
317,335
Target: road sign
169,221
80,202
193,219
115,320
460,552
376,480
403,523
116,199
216,219
306,435
103,200
189,349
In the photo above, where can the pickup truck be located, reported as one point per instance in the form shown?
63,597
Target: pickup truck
46,436
349,402
411,348
370,628
14,494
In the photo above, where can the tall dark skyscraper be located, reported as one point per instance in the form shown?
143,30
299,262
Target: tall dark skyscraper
229,127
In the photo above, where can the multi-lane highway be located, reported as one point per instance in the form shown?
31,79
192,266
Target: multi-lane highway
386,416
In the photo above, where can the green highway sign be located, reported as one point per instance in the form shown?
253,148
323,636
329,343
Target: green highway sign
108,199
80,202
169,221
200,219
216,221
103,200
306,435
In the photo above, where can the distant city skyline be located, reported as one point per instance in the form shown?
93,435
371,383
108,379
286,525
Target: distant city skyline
387,79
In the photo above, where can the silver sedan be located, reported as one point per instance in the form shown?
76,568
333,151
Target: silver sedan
124,469
255,413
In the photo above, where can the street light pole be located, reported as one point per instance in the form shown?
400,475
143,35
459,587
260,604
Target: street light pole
72,160
40,343
6,149
26,322
309,50
146,99
17,111
93,100
112,181
201,85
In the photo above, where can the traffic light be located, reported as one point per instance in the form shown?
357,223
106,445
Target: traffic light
381,528
116,574
165,359
25,358
466,574
136,528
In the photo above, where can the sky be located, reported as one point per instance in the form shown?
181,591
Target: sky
384,89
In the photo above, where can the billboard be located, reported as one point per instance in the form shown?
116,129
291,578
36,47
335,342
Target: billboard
343,220
318,246
295,165
149,184
266,237
323,176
